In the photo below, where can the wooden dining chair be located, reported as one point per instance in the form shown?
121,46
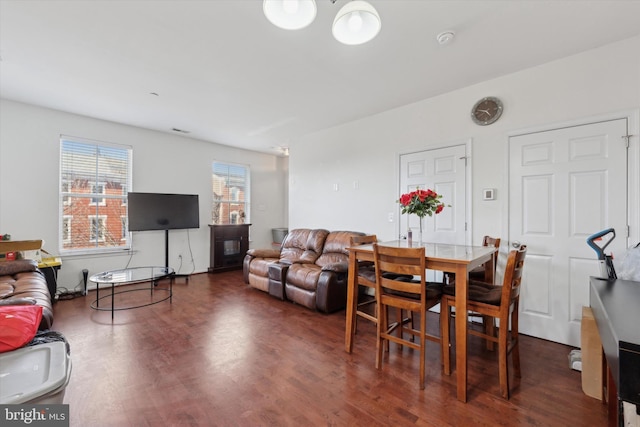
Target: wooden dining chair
481,278
367,280
497,302
480,273
414,296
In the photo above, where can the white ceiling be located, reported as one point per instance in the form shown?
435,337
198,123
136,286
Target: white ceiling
222,72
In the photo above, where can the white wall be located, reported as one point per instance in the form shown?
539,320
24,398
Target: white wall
603,81
29,177
600,82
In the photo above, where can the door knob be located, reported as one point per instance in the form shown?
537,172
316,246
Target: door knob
516,244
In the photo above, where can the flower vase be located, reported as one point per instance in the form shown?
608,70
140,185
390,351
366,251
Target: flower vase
421,219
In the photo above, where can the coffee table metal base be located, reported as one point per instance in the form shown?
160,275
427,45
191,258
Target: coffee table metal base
132,276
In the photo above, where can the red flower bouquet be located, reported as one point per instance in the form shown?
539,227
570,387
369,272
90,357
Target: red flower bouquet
421,203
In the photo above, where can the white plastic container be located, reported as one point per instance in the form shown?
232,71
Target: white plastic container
38,374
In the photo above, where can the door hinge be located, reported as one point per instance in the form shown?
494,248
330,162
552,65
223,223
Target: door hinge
465,160
626,139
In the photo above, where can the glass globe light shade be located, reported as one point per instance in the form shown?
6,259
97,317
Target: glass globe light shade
356,23
290,14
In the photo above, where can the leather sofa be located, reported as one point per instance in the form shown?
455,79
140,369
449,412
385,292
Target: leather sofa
309,269
21,282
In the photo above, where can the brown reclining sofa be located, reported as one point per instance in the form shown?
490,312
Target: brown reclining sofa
309,269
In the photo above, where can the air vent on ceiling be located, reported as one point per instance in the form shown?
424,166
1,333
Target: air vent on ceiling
180,130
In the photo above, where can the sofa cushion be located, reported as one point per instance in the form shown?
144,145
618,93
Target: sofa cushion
303,297
303,245
294,245
335,248
18,301
259,282
315,244
6,288
18,266
260,266
304,276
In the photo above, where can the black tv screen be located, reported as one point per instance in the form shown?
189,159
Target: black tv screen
156,211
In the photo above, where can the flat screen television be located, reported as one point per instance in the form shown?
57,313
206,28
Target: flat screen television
157,211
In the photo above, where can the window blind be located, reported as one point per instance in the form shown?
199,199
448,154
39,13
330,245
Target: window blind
95,178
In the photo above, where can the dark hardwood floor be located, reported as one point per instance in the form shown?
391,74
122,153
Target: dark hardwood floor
224,354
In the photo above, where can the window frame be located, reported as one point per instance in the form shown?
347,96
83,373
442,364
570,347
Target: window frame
238,193
94,180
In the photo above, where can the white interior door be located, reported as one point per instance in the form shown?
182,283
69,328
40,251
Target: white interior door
444,171
565,185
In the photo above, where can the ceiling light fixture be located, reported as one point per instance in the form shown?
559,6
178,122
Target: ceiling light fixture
290,14
282,149
356,23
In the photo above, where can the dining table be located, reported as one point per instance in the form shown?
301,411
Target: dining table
449,258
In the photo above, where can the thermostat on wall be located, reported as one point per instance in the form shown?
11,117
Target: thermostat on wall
489,194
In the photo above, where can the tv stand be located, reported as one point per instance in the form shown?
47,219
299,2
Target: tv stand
184,275
166,258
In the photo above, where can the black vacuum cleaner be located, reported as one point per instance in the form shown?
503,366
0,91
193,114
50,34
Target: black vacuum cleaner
598,242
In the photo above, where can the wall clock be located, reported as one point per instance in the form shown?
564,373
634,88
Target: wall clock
486,111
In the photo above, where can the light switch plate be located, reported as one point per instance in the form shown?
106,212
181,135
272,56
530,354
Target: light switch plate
489,194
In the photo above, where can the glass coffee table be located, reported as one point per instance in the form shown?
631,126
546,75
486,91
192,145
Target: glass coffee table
130,276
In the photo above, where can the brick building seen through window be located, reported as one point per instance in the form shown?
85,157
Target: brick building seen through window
230,191
94,184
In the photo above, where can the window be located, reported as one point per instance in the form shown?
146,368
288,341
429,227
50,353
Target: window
231,199
95,178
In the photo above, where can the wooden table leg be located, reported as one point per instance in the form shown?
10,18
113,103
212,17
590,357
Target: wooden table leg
461,331
352,288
